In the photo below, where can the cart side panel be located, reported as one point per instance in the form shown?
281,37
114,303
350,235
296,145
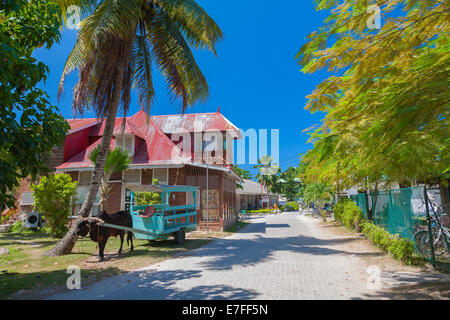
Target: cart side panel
153,224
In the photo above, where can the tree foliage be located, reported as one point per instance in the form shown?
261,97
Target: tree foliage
318,193
386,103
244,174
30,126
53,198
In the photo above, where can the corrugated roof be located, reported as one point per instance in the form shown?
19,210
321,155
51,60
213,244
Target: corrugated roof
196,122
251,187
155,149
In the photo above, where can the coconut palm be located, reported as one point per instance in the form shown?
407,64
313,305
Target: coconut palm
118,43
116,161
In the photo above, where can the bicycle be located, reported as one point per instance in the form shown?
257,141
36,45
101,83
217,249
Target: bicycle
440,234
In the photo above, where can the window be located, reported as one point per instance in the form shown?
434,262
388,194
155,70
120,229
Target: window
125,142
84,177
162,175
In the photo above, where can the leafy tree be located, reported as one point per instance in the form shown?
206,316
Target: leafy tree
117,160
53,198
30,126
289,184
387,111
118,44
244,174
318,193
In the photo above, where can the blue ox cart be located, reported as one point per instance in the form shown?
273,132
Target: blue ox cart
160,221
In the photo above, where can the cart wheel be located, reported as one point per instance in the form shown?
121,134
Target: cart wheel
179,236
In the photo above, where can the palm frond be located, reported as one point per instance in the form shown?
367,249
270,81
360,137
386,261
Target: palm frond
194,23
175,60
142,71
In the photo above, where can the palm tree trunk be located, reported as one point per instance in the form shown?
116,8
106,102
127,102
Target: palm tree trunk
66,244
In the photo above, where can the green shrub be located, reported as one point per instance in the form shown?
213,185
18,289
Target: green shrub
339,209
260,211
52,198
292,206
399,248
349,214
402,249
17,227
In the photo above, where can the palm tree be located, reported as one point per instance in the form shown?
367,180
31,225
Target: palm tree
118,43
117,160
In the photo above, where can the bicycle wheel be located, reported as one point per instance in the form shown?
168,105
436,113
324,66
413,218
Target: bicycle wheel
418,236
439,244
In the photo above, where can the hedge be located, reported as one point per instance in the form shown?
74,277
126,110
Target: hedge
350,215
260,211
399,248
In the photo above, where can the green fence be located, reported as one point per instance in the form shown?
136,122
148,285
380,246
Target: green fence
399,211
403,212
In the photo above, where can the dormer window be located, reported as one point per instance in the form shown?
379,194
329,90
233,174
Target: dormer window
126,142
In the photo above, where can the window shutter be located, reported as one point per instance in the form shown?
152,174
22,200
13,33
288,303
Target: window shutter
85,177
132,176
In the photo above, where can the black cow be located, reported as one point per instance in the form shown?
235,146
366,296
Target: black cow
100,234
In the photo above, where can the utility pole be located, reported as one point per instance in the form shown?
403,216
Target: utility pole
430,233
207,191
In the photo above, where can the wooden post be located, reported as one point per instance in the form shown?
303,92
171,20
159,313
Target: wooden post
220,200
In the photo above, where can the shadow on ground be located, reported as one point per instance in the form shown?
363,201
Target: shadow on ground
152,284
258,249
407,285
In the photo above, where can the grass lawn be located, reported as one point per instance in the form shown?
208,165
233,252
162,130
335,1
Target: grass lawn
26,270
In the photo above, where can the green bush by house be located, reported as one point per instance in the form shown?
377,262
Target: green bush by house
53,198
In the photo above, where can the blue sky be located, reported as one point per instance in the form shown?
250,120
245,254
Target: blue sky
254,79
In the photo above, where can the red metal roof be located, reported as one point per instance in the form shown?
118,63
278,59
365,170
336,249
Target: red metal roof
155,148
78,124
81,160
